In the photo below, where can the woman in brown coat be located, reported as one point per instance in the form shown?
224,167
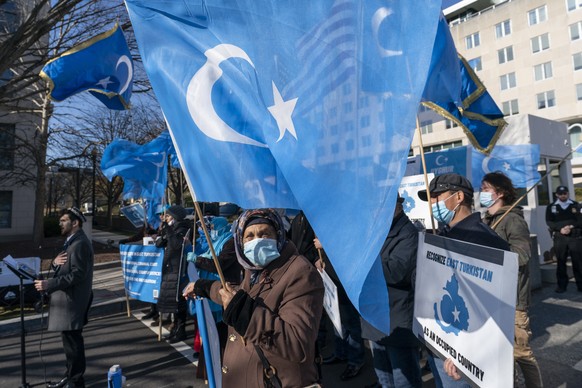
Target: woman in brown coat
274,316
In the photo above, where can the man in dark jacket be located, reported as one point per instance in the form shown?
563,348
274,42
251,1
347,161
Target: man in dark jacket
397,356
71,295
565,222
175,235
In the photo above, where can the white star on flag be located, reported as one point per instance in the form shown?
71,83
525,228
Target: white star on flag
281,112
456,314
506,166
104,82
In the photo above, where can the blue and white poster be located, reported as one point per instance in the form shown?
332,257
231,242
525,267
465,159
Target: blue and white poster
464,307
417,210
142,271
452,160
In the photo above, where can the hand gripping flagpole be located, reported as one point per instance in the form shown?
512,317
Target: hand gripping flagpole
425,174
210,245
534,185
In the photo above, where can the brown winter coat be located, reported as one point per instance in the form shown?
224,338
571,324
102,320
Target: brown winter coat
284,323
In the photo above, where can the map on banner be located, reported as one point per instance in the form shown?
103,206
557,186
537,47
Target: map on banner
415,209
465,307
142,271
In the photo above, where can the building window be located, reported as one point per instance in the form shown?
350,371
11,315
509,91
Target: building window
540,43
505,54
364,102
573,4
503,29
7,146
508,81
364,121
537,15
579,92
475,63
577,59
444,146
333,130
334,148
543,71
347,107
510,107
546,99
426,127
5,209
450,124
350,145
472,40
347,88
349,126
366,141
575,31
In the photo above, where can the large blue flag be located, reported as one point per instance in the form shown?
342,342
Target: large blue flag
306,104
142,167
102,65
519,162
454,91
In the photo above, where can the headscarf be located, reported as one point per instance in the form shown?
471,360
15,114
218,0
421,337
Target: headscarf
220,225
272,217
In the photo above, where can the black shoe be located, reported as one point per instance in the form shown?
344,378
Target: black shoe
151,315
350,372
560,290
179,335
332,360
60,384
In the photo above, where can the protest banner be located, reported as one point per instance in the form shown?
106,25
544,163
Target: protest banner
415,209
331,303
465,307
142,271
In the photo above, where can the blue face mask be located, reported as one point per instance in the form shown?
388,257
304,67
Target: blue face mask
486,199
261,251
441,213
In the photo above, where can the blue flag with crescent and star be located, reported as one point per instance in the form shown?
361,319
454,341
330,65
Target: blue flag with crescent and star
102,65
519,162
142,167
305,104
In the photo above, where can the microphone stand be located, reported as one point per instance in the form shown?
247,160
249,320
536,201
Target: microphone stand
22,275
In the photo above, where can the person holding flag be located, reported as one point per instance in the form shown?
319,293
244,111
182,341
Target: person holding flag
497,195
273,317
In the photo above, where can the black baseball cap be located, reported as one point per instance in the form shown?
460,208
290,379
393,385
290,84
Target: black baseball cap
446,182
561,190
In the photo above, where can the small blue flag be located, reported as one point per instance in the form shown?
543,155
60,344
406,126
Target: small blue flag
454,91
519,162
142,167
305,105
102,65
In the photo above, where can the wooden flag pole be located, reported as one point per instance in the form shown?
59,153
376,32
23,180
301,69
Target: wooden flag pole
214,257
425,174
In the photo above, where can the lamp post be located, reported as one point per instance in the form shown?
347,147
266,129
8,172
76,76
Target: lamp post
93,198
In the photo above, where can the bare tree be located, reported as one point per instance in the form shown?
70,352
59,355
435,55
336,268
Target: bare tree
37,31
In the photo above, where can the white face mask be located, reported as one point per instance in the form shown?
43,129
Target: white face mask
486,199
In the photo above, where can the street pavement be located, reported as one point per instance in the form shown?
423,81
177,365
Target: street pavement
113,337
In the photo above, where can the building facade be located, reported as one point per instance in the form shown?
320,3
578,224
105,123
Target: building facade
528,53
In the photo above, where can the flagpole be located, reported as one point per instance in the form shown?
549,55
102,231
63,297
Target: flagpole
214,257
534,185
425,173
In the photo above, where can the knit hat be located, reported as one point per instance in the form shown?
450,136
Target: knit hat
177,212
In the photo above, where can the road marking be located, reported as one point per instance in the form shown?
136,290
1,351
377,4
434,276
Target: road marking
578,366
564,302
184,349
